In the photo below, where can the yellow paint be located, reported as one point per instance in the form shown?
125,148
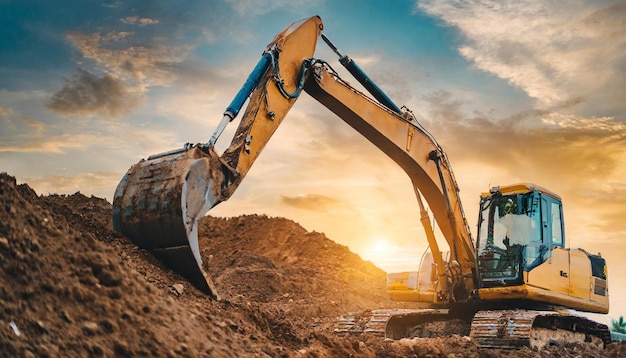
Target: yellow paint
528,292
409,138
548,275
580,274
522,188
411,296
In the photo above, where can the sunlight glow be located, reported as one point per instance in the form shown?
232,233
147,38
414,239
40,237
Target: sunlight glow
389,256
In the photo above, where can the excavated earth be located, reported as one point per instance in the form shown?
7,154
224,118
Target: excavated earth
70,286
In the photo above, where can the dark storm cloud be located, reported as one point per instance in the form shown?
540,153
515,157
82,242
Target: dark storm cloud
87,94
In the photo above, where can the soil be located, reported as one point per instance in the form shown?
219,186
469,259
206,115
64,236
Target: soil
70,286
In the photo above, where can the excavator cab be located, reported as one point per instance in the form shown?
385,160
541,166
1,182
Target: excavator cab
521,252
518,228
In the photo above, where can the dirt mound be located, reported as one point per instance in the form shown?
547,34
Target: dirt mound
71,286
294,265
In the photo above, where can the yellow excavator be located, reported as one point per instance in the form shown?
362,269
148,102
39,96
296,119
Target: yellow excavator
514,283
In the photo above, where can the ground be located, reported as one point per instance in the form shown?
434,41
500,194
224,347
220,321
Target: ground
70,286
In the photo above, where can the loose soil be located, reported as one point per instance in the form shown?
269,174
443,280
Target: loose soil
70,286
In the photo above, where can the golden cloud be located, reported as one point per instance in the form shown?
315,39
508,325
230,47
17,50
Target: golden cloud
313,202
53,144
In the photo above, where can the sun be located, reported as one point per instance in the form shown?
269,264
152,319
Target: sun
380,247
388,255
378,251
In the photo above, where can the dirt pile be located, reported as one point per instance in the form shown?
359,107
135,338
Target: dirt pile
71,286
293,265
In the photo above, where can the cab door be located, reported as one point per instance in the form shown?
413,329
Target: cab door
580,274
554,273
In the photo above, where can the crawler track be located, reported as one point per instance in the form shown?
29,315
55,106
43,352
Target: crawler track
517,328
392,323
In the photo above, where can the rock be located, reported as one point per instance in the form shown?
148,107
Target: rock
66,317
179,288
90,328
42,327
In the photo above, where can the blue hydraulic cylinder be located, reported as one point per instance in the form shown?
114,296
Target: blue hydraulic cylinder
367,82
235,106
251,83
362,77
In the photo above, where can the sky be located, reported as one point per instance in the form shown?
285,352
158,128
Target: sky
514,91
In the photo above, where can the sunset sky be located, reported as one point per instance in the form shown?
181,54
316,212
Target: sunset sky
514,91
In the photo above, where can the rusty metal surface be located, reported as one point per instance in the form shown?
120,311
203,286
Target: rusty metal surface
503,329
157,205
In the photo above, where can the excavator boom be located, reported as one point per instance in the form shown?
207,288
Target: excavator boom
407,143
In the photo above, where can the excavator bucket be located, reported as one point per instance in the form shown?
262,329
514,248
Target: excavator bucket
159,201
157,204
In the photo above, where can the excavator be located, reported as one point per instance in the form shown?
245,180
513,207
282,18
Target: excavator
516,283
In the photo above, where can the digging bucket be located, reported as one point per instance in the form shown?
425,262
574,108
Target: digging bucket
159,201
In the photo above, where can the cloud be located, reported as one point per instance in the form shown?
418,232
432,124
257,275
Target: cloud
368,60
5,111
38,126
112,4
209,35
552,51
86,93
128,69
609,221
537,143
141,64
51,144
261,7
313,202
23,134
141,21
100,184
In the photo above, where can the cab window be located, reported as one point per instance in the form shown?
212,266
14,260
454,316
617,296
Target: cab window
557,224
